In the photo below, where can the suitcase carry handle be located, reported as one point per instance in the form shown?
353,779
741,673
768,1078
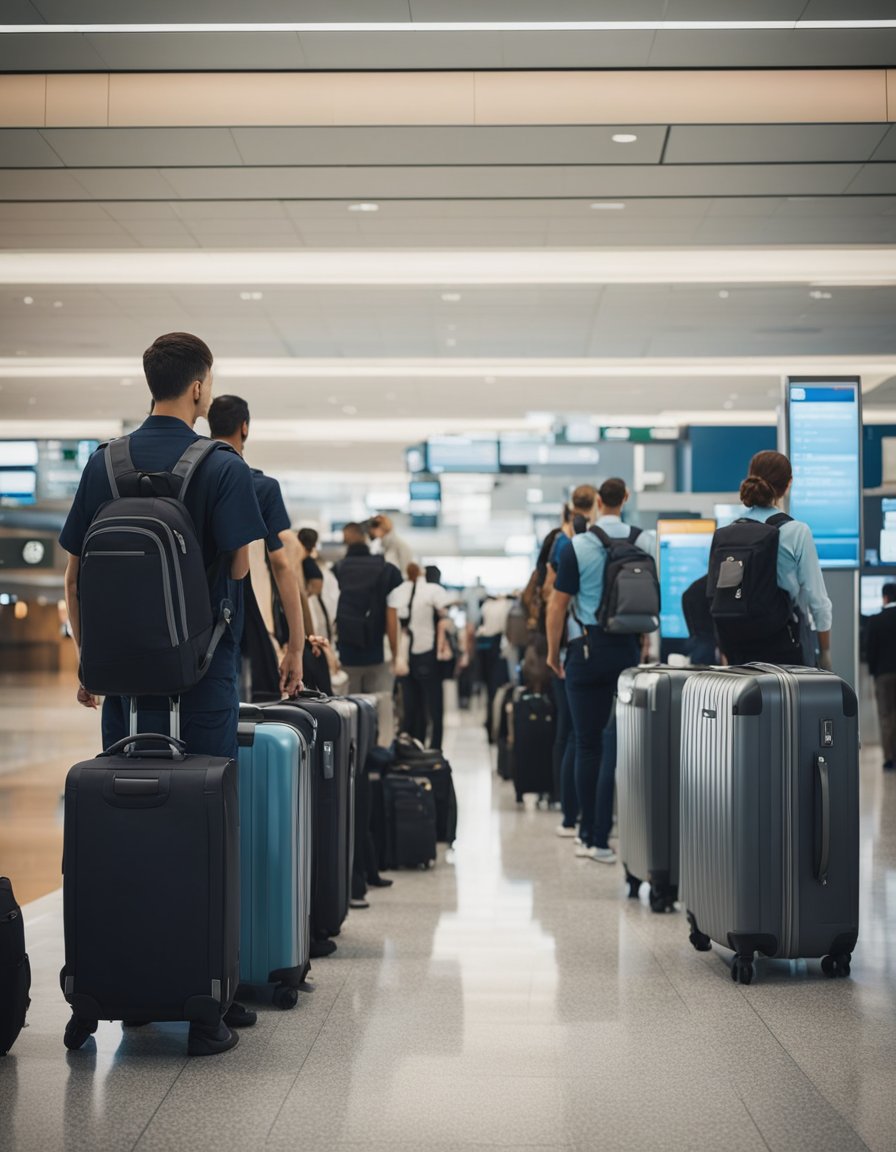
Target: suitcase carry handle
176,749
824,792
308,694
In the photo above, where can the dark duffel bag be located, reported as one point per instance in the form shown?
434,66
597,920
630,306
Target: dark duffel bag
15,971
437,771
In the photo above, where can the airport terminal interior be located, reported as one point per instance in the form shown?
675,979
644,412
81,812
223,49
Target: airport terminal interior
461,261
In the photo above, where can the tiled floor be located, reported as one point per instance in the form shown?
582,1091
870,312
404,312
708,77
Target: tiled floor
509,999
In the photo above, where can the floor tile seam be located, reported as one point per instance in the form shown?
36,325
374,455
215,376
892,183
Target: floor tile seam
158,1107
642,933
803,1071
295,1078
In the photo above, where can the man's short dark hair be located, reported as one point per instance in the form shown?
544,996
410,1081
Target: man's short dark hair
353,533
888,592
583,498
612,492
172,362
308,538
227,415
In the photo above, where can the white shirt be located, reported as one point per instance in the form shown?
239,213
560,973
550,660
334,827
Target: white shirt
494,616
397,551
428,599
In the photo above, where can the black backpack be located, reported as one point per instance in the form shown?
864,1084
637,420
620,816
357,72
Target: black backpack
15,971
147,623
631,596
744,598
358,611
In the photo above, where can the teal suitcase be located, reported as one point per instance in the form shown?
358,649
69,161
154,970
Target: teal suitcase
275,855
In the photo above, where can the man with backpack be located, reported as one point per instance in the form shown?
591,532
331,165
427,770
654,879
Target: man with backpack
363,619
122,599
607,583
228,419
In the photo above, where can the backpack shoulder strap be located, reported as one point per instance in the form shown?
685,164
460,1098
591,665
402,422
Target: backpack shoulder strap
601,535
117,456
185,468
634,533
778,519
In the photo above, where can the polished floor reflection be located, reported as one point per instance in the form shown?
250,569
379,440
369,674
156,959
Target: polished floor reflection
510,998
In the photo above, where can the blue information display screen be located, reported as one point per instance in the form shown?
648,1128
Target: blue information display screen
683,547
462,454
825,433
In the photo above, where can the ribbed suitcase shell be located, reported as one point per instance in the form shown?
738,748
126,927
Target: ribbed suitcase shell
533,744
151,898
648,727
275,855
751,810
333,784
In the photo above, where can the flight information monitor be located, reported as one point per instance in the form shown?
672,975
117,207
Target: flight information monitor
824,431
683,557
462,454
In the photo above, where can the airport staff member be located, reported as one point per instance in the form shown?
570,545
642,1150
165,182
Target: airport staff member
880,649
594,661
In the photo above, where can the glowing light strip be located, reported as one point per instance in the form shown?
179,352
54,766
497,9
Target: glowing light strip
457,26
440,269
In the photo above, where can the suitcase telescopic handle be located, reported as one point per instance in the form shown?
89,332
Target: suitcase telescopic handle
824,793
176,749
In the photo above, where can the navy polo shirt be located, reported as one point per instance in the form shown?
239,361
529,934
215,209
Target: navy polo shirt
222,503
273,510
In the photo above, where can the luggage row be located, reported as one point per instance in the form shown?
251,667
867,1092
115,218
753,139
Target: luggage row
188,877
738,793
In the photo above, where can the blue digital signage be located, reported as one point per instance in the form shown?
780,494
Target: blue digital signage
683,547
824,425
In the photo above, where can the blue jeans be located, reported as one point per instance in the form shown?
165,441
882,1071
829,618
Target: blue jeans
592,670
565,755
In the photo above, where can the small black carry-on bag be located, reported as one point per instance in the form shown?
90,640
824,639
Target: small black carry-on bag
15,971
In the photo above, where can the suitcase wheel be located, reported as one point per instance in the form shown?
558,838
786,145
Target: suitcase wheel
836,965
742,969
285,997
78,1032
662,898
698,939
634,885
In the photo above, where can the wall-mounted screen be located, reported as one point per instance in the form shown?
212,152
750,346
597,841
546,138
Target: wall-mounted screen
462,454
18,454
415,458
426,490
726,514
18,485
870,592
683,557
824,432
521,452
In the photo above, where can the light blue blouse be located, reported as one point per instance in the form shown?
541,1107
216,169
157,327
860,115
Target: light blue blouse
799,572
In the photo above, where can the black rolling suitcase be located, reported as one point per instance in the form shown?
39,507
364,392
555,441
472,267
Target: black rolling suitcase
648,728
365,859
151,885
770,814
410,821
533,744
333,802
411,759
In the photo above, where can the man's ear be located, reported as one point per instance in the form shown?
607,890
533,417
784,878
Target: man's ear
244,431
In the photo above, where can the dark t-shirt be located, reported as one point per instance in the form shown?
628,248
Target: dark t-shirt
311,569
273,510
222,503
383,580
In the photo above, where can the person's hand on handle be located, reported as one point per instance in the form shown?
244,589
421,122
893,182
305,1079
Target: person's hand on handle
87,699
291,672
556,666
824,660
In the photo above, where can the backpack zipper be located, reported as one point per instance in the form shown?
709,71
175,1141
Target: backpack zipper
166,578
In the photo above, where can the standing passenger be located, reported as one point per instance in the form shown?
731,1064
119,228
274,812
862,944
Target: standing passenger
594,661
880,648
419,604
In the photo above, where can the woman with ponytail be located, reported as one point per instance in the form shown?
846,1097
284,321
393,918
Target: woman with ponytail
798,573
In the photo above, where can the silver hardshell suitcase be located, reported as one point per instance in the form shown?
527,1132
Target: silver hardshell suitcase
770,814
648,729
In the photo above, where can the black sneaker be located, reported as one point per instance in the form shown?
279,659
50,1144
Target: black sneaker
206,1041
889,765
321,948
239,1016
380,882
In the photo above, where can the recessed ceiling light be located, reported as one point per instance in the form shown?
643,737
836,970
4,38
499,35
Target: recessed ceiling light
624,138
729,404
817,294
57,303
489,379
364,206
32,399
350,410
126,382
28,300
451,297
450,342
724,294
332,399
608,205
251,295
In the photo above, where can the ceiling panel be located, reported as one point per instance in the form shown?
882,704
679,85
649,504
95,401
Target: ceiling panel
142,147
192,52
887,149
441,144
772,143
534,10
20,12
26,148
48,52
124,183
874,179
220,11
